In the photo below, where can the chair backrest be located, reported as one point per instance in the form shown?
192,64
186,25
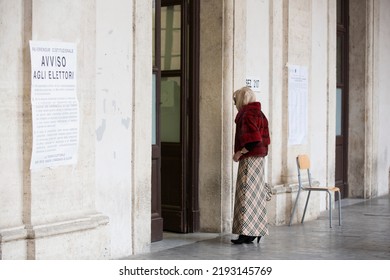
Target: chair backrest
303,163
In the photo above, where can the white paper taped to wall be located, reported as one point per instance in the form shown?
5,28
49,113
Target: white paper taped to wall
55,108
297,104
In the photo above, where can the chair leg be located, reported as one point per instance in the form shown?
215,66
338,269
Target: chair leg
330,209
339,208
294,208
304,211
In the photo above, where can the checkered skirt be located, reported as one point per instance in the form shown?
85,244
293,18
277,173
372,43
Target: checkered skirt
250,213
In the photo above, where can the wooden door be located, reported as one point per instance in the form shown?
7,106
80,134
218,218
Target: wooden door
157,219
178,122
178,114
341,174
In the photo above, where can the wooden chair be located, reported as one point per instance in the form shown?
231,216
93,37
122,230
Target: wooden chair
303,163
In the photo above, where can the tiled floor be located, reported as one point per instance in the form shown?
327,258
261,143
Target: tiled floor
364,234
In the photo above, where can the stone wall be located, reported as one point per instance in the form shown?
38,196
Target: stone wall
50,213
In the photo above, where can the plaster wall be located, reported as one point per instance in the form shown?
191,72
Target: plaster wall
57,193
114,119
56,202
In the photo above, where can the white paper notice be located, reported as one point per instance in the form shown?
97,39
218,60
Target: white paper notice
253,83
297,104
55,108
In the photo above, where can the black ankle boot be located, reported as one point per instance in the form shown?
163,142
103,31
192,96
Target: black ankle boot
250,239
241,239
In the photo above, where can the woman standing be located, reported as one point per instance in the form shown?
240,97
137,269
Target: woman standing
250,147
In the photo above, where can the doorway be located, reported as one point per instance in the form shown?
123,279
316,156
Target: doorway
175,106
342,98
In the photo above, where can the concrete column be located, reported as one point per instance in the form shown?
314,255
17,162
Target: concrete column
381,100
371,112
114,123
278,81
210,112
278,56
331,94
299,28
322,92
222,66
141,131
362,95
13,52
227,87
367,169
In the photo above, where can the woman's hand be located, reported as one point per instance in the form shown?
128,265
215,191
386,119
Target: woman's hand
239,153
236,156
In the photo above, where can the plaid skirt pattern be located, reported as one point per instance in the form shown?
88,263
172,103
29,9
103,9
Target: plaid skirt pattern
250,213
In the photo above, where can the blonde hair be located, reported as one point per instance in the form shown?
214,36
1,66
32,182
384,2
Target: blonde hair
243,96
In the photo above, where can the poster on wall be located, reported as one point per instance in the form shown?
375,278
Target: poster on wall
253,83
297,104
55,108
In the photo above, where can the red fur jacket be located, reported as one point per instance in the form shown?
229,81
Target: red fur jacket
252,126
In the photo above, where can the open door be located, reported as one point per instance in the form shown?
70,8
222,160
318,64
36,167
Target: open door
341,174
157,220
178,113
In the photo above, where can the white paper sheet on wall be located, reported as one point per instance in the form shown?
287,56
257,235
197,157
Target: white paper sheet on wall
297,104
55,108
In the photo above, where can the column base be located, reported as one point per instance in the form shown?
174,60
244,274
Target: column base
83,238
13,243
279,208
